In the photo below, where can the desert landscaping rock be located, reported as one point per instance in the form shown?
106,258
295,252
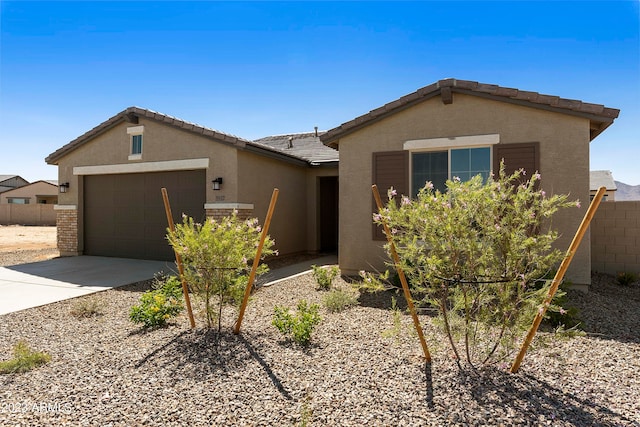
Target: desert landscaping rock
107,371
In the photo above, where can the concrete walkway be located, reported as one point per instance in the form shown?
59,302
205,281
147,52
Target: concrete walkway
35,284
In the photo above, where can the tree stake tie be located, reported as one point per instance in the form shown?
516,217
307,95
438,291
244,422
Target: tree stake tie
559,276
403,279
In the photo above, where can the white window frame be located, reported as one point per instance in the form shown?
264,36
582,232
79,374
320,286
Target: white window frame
135,131
447,144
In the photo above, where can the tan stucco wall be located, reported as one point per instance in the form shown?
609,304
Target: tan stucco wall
294,222
160,143
564,165
31,191
248,178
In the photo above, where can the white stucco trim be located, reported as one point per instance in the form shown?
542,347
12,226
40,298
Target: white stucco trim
169,165
135,156
228,205
135,130
65,207
452,142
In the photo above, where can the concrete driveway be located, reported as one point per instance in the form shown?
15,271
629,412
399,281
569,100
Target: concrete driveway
31,285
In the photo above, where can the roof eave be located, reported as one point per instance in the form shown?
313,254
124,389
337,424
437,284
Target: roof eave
132,115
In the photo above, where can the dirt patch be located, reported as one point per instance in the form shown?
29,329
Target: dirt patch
20,238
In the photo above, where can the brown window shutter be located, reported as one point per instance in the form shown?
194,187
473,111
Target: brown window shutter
516,156
390,169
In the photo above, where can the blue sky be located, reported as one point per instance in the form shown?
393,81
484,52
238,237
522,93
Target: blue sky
264,68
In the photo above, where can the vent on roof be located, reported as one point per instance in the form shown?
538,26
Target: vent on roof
315,128
290,144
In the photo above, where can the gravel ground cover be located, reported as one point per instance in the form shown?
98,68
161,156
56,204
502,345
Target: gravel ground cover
105,371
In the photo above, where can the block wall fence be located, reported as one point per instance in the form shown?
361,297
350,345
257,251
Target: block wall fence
615,238
32,214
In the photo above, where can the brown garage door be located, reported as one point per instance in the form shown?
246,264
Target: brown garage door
124,214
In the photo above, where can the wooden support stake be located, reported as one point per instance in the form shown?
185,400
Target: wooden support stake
403,279
185,289
559,276
256,260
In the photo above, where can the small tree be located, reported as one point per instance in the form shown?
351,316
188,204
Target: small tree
474,252
217,256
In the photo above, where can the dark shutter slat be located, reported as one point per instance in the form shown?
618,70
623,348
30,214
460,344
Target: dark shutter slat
390,169
517,156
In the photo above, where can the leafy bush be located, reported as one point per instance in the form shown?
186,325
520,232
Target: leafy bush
338,300
473,253
87,307
625,279
297,326
216,257
324,276
24,359
160,304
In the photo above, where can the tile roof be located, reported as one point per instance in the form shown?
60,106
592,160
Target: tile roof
599,179
7,177
131,115
309,150
599,115
305,146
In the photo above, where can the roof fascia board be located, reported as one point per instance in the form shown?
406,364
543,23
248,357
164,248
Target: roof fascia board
126,116
530,104
332,141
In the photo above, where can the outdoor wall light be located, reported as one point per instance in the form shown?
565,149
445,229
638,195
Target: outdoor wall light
64,187
217,183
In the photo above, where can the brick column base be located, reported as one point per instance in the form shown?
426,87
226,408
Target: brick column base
67,229
218,213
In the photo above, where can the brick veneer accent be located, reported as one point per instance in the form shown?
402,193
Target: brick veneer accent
615,238
67,228
217,214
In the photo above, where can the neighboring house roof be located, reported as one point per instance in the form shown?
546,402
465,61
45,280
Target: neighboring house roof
54,188
4,178
599,179
600,116
132,114
306,146
5,185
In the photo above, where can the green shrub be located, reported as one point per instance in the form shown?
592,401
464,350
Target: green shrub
297,326
324,276
338,300
159,305
87,307
217,256
472,252
625,279
24,359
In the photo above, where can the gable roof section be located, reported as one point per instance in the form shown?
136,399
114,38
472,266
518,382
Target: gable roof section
132,115
54,187
600,116
305,146
4,178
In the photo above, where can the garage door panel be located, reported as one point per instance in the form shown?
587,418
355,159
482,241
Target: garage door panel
124,214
